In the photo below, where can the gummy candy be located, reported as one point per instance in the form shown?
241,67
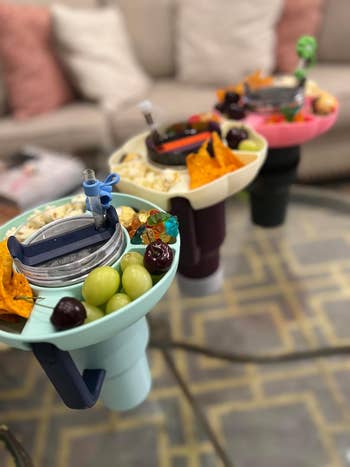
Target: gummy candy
152,225
172,226
137,238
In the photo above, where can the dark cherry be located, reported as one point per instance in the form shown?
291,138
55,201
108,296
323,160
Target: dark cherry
235,112
231,97
235,135
158,257
220,107
68,313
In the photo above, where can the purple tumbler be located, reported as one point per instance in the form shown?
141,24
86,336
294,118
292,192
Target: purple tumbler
202,233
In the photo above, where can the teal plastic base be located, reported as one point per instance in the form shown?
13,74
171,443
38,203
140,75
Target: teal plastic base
128,379
115,343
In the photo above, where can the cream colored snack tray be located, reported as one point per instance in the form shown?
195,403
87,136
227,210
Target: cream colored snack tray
204,196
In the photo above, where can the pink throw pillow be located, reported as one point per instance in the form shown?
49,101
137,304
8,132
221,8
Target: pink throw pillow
298,17
33,77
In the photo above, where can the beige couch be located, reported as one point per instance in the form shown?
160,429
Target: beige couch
82,126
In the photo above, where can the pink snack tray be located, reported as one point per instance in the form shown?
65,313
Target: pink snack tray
284,134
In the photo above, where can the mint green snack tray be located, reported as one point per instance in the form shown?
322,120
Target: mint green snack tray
116,342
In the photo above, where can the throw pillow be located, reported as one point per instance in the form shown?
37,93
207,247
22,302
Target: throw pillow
34,79
95,48
298,17
220,42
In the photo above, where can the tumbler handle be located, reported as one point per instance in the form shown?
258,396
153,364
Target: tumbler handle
190,250
77,391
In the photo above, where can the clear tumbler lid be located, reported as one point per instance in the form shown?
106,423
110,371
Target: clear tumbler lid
73,267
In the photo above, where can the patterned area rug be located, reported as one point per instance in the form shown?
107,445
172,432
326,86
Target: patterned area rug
284,289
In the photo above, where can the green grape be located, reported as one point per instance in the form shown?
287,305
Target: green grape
117,301
156,278
92,312
248,145
136,280
100,284
132,257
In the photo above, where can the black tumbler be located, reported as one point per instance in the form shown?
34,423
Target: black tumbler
202,233
269,192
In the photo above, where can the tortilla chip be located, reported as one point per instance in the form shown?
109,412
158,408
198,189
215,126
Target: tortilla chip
220,94
5,263
12,285
257,80
224,155
8,297
201,167
203,150
8,317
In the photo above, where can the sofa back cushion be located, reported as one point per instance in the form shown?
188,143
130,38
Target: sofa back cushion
334,36
220,42
150,25
75,3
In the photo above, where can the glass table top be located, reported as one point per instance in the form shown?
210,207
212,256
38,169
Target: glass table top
285,289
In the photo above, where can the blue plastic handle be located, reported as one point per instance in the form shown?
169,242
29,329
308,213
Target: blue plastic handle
77,391
106,189
101,189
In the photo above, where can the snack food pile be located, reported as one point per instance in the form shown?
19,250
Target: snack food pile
134,168
39,218
203,168
147,226
16,295
213,159
230,100
106,289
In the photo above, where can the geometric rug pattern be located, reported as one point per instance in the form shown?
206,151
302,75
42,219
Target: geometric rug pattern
285,289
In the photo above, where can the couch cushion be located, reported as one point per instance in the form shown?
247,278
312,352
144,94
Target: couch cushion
220,42
335,79
73,127
326,158
173,101
151,27
334,36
